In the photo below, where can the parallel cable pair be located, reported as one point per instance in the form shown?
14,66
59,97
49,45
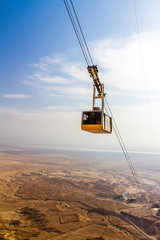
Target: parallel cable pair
123,147
78,31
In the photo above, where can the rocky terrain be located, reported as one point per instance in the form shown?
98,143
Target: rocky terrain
65,196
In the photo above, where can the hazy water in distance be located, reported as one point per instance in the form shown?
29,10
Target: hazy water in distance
147,161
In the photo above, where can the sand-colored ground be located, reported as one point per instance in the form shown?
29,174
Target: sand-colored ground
58,196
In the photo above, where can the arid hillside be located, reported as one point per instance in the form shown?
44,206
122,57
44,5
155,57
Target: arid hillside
63,196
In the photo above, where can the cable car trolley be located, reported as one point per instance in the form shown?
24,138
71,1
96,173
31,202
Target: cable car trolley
96,121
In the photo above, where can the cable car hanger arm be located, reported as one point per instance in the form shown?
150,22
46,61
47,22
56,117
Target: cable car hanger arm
93,71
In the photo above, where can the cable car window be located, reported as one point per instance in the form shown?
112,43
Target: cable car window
107,123
91,118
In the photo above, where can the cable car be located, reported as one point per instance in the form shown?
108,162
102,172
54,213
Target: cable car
96,122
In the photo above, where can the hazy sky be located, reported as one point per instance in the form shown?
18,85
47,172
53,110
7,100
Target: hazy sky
45,85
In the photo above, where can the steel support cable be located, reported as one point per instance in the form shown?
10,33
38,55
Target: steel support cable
141,56
82,32
123,148
144,77
76,31
121,142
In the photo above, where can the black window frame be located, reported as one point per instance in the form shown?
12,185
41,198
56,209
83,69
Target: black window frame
97,120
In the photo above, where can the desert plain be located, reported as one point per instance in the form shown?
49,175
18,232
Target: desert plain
76,196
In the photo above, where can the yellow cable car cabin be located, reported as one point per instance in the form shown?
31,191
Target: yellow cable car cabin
96,122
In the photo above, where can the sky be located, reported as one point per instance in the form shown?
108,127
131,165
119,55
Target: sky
45,85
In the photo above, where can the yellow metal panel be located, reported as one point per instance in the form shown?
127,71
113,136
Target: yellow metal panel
92,128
